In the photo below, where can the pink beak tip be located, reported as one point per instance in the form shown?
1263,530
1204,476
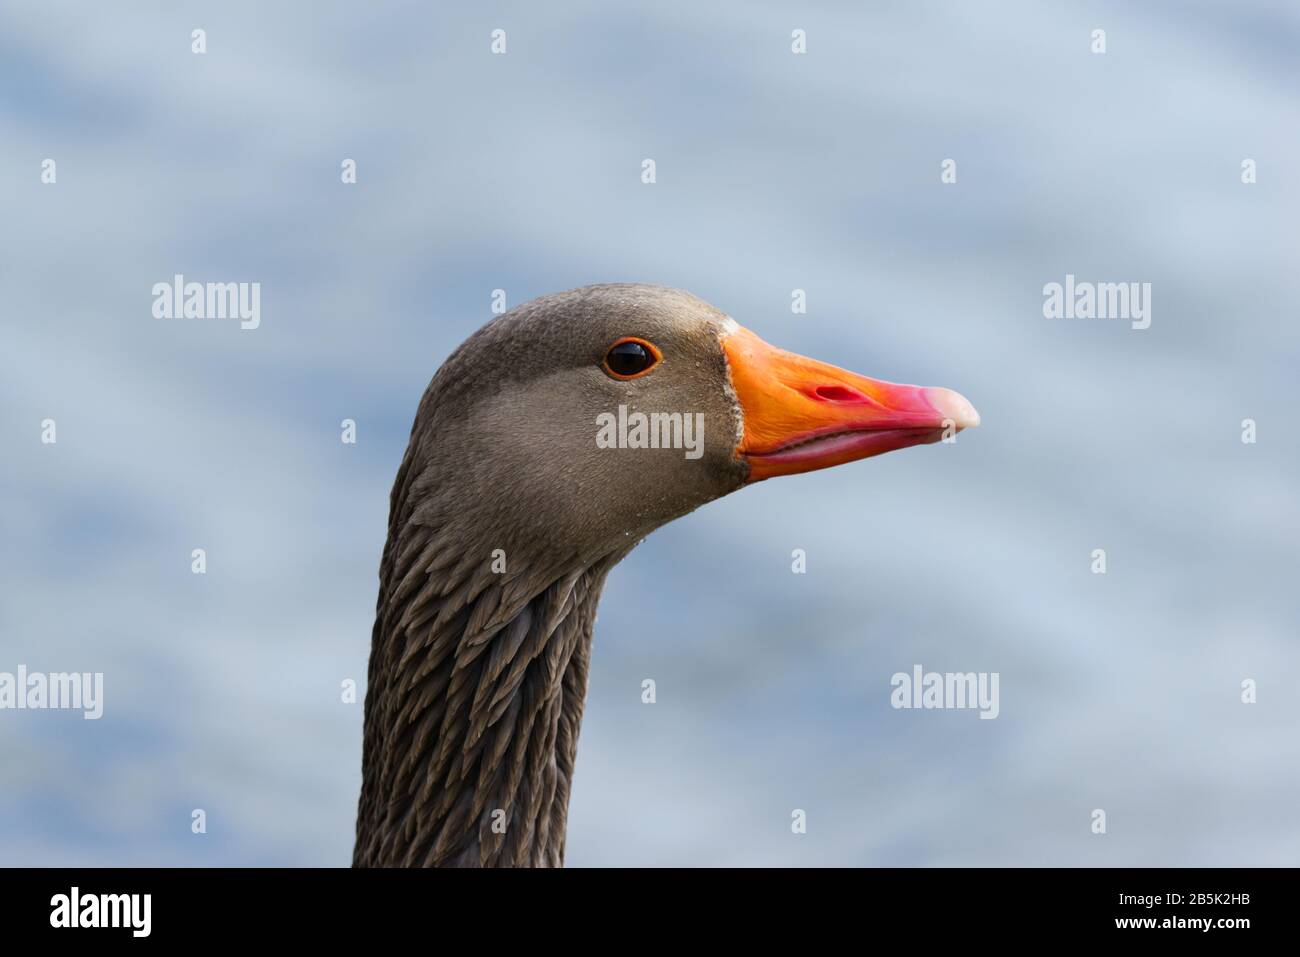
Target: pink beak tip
955,406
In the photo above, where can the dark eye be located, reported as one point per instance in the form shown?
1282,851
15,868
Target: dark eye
629,358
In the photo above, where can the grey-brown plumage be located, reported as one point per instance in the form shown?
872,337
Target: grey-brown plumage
477,678
510,508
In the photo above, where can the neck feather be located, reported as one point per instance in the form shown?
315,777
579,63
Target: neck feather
476,686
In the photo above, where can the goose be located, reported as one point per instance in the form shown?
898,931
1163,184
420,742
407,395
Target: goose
508,513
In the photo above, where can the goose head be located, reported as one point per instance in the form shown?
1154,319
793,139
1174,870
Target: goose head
546,447
593,417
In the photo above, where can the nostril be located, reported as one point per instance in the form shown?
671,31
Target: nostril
839,393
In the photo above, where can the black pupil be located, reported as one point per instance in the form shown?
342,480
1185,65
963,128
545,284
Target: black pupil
629,358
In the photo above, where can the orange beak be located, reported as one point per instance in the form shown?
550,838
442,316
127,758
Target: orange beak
801,414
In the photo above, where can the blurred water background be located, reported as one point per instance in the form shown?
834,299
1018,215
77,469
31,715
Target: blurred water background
775,172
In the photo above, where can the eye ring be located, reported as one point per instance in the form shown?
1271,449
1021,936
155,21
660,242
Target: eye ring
628,359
